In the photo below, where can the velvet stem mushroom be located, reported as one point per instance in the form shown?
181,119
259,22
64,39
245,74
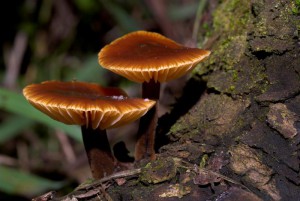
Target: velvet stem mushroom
149,58
144,147
94,108
100,157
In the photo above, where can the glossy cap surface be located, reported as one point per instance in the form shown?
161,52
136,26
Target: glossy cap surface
141,56
88,104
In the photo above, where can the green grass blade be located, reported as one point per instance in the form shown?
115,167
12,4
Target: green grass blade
90,71
17,104
179,12
14,181
127,23
13,126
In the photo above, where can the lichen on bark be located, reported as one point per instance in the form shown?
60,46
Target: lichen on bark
214,115
224,71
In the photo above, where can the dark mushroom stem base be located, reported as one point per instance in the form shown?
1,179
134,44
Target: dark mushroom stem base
98,152
144,148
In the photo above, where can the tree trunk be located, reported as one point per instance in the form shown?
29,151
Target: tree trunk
234,133
250,113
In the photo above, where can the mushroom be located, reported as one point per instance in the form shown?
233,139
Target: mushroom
149,58
94,108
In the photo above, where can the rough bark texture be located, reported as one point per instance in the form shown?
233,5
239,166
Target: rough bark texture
240,140
251,110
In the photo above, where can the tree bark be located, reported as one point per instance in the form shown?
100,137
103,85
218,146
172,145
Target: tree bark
251,108
237,137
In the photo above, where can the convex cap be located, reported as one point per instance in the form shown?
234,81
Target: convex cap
142,56
88,104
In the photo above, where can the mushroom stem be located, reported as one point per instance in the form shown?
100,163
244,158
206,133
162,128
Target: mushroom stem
146,134
98,152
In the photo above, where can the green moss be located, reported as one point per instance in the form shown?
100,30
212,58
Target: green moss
225,69
232,88
295,7
176,127
203,161
232,15
261,27
158,171
208,32
230,20
234,75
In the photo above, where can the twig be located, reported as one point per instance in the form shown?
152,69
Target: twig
97,187
45,197
66,146
23,155
197,170
14,60
125,173
201,6
159,10
220,176
7,160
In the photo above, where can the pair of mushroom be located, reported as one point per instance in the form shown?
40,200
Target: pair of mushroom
141,56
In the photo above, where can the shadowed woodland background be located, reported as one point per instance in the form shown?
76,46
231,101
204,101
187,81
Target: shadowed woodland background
236,115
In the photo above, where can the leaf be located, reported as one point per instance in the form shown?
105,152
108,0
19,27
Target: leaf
126,22
179,12
14,181
87,6
89,71
13,126
17,104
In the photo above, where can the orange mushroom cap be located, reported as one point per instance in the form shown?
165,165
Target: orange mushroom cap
88,104
141,56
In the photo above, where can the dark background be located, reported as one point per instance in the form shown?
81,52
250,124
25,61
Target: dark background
59,40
